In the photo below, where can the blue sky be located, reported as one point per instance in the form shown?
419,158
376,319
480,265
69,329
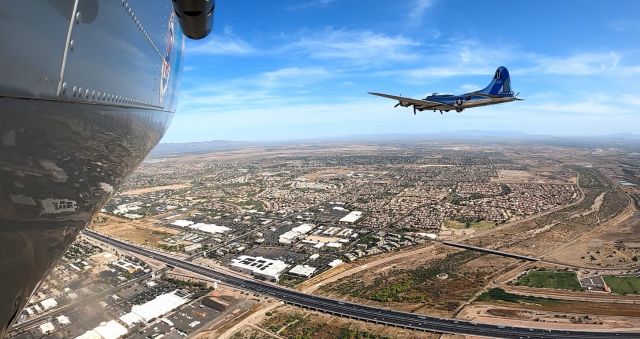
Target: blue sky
282,70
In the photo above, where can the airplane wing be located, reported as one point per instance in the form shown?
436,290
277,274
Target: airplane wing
426,104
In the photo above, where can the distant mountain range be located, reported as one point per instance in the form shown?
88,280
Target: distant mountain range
199,147
609,140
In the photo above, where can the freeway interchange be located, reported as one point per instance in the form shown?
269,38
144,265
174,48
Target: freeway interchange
361,312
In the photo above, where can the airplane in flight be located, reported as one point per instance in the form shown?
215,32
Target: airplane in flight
498,91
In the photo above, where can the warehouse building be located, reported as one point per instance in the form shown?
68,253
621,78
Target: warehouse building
295,233
260,267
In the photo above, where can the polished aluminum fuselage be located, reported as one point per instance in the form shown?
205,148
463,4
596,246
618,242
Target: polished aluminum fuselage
87,88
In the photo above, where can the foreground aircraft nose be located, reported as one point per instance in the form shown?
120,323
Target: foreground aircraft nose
78,117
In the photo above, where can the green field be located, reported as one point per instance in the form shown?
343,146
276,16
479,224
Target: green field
623,285
550,279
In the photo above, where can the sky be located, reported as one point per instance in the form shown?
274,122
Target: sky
289,70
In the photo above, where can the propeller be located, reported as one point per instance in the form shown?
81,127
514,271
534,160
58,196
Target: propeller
399,102
515,96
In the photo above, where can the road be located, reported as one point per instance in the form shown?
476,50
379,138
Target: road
489,250
29,324
361,312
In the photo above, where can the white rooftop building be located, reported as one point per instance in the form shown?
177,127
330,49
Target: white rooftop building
48,304
111,330
259,266
295,233
47,328
91,334
126,208
303,270
127,265
352,217
192,247
63,320
210,228
182,223
160,305
336,262
131,319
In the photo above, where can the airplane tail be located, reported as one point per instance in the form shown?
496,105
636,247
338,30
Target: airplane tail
501,83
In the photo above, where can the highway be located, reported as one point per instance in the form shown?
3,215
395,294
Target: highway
361,312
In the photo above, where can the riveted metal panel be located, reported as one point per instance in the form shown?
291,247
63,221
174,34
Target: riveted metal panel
173,57
33,35
110,59
153,20
159,24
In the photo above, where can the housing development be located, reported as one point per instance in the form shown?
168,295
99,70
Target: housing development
537,236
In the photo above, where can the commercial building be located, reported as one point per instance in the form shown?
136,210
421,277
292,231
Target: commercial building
182,223
352,217
47,328
295,233
303,270
210,228
335,263
192,247
150,310
260,267
107,330
48,304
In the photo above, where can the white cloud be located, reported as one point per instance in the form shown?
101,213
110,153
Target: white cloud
632,100
586,107
457,58
224,43
316,89
460,57
417,10
445,72
293,76
579,64
624,25
277,88
311,4
355,47
279,121
469,87
353,116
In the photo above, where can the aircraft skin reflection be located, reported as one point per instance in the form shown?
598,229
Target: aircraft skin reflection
87,89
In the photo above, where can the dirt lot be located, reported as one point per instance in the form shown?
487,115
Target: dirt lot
539,175
437,284
509,316
292,322
138,231
154,189
327,173
618,245
514,176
